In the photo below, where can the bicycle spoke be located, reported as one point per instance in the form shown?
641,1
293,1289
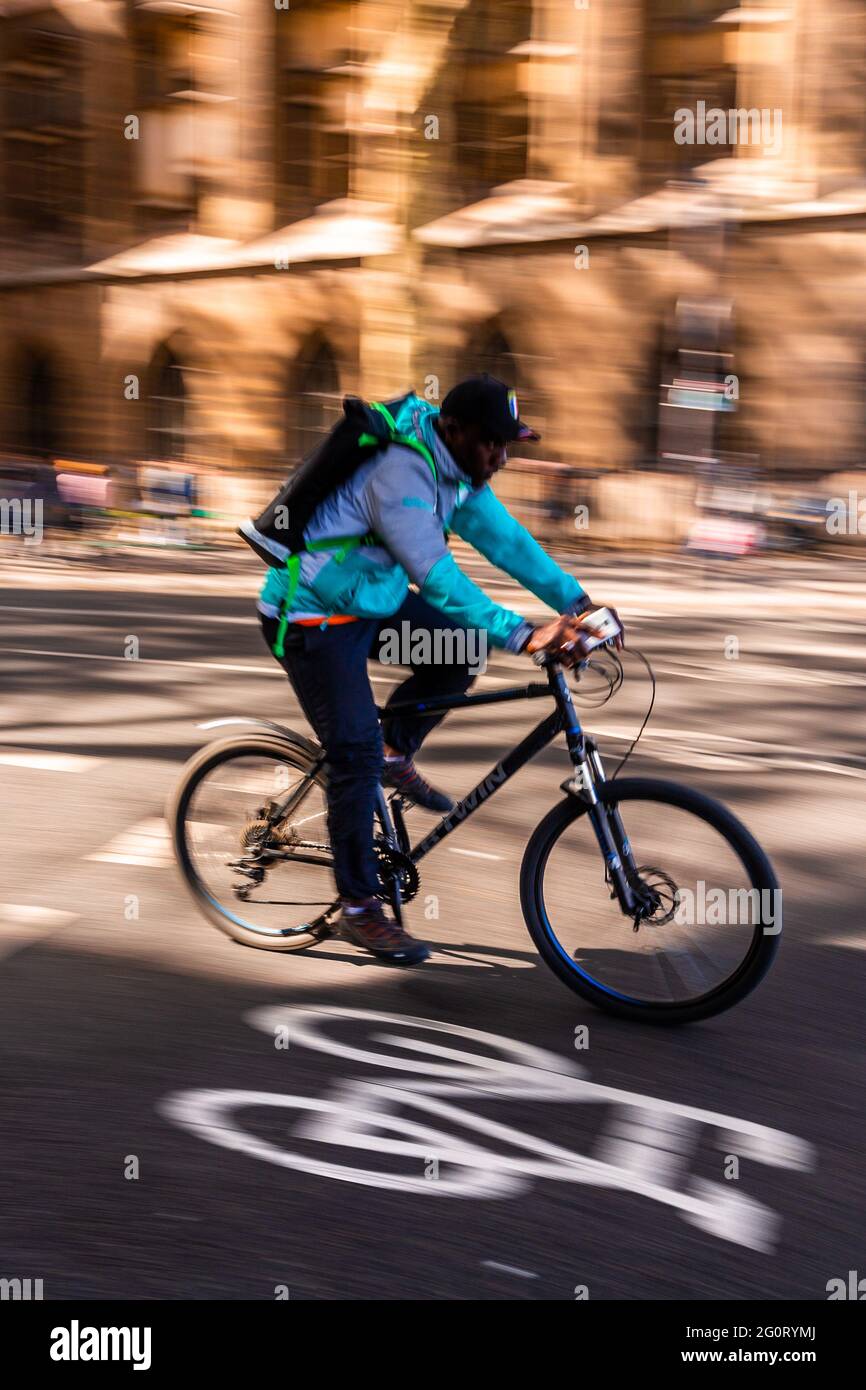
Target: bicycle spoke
251,849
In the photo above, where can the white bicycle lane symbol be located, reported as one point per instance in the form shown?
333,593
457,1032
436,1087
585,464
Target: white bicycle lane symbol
643,1144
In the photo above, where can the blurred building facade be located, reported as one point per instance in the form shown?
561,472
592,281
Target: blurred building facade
216,219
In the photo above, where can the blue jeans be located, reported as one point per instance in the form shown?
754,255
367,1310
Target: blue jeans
327,668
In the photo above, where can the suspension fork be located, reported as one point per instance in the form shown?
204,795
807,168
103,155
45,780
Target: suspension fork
588,776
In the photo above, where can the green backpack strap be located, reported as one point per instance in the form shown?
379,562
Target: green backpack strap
293,572
341,545
408,440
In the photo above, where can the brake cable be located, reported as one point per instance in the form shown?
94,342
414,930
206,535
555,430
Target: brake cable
614,679
621,764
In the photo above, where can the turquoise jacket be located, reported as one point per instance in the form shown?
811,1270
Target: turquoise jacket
396,497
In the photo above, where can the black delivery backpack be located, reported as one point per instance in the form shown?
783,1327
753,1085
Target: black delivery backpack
277,533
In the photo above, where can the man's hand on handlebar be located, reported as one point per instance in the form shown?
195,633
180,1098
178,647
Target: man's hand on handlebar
564,637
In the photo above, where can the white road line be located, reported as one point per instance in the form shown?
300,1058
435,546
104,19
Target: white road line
474,853
247,670
148,661
31,915
49,762
509,1269
124,614
446,954
22,923
147,845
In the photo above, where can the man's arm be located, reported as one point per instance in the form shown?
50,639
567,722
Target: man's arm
401,501
487,524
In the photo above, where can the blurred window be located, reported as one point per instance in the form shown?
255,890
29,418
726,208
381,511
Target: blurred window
43,126
492,352
491,112
314,398
314,75
313,141
167,409
686,60
39,392
185,80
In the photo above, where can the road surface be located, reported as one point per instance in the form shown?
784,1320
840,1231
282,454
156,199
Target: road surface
120,1006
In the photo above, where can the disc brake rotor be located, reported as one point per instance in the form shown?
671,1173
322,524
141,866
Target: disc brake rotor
658,895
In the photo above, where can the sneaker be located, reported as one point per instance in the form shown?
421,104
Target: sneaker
373,931
403,775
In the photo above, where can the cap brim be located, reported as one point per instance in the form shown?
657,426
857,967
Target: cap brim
526,432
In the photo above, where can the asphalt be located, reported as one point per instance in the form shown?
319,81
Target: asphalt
560,1168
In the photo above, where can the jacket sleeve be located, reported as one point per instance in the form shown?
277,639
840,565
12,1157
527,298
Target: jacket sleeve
401,504
487,524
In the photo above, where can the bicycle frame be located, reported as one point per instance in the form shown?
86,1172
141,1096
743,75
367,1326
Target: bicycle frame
588,775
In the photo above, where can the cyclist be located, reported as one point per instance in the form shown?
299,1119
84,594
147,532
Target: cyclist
342,604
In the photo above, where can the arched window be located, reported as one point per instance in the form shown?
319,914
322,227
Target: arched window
314,397
492,353
167,408
29,422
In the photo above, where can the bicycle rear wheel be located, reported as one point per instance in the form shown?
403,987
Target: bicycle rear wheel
266,881
713,935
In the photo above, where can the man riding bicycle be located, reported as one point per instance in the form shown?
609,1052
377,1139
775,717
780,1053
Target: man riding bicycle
407,501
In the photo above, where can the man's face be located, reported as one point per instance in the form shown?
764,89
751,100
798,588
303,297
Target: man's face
478,456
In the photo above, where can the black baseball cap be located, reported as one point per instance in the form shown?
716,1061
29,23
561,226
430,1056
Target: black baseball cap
489,403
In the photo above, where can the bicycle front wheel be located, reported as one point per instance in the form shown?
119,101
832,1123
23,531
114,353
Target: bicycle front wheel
716,927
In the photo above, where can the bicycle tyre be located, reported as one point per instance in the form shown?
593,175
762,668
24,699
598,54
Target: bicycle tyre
741,982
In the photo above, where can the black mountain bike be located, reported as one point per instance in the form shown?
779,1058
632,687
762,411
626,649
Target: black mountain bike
647,898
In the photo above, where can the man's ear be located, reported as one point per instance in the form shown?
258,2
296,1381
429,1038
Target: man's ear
450,431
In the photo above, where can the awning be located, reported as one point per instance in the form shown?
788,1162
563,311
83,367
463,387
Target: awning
183,253
751,189
90,16
526,210
343,230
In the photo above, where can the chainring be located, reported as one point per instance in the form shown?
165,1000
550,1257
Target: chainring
393,864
